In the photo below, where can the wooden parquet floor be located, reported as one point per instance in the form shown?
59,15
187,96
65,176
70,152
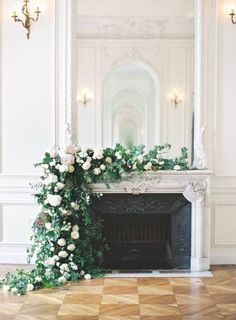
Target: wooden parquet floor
130,299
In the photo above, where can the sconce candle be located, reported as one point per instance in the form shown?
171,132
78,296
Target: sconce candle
27,21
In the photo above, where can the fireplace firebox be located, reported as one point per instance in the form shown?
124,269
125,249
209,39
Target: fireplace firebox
145,231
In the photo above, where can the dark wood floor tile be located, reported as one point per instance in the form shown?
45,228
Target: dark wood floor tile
176,317
195,289
79,309
119,310
224,298
227,309
153,282
199,310
156,299
82,298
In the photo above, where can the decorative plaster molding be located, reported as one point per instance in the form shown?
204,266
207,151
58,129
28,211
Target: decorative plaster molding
113,27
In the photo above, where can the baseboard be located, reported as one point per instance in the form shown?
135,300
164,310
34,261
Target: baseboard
220,260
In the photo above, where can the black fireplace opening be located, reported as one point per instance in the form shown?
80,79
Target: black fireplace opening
146,231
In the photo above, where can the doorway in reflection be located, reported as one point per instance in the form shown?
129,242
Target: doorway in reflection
130,107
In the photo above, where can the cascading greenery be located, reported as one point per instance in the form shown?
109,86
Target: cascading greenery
67,243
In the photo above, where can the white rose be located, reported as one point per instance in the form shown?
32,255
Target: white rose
30,287
75,228
87,276
176,167
148,166
63,168
74,235
74,266
67,159
52,163
45,166
74,205
48,225
62,254
14,290
134,166
70,149
86,165
71,169
89,159
54,200
58,166
56,258
71,247
97,171
98,154
140,158
103,167
61,242
82,272
108,159
5,288
62,280
60,185
53,151
52,178
64,267
83,154
49,262
118,155
38,279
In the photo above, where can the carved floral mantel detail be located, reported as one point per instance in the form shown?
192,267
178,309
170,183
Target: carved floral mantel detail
193,184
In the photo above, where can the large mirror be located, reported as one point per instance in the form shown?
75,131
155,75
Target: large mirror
135,64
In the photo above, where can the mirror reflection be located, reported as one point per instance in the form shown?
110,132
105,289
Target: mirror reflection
137,59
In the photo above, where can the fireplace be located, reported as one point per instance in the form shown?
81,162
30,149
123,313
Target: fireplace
145,231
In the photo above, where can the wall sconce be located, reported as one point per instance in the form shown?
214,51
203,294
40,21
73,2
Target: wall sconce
176,98
85,97
27,23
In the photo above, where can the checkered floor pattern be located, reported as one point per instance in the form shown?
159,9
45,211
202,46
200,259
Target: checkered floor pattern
130,299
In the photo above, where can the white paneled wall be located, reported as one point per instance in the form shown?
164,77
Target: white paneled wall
33,117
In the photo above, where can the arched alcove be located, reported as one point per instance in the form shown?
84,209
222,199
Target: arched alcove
131,98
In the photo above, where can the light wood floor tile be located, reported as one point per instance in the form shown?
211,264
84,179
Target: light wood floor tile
199,310
227,309
162,290
79,309
159,310
185,281
120,282
194,299
224,298
41,309
156,299
52,298
8,309
35,317
119,318
119,310
120,298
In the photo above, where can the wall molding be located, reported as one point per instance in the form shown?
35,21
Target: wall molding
215,205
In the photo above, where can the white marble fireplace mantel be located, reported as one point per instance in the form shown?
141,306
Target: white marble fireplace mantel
193,184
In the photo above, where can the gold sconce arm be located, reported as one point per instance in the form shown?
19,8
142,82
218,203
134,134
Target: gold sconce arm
27,22
232,14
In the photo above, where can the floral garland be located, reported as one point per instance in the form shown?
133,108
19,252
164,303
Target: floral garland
67,243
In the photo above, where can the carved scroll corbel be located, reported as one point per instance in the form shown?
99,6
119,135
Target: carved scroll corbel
194,191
